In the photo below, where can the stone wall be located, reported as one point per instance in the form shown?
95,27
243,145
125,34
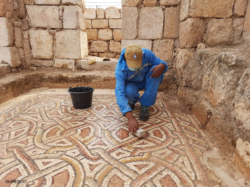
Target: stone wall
103,29
46,33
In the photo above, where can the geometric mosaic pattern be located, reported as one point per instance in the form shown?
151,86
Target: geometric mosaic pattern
44,141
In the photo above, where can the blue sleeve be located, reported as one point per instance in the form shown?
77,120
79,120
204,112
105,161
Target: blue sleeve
154,60
121,98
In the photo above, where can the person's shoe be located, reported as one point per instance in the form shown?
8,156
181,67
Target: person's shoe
144,114
132,106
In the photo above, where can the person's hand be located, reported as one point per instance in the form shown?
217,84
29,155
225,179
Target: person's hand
158,70
133,125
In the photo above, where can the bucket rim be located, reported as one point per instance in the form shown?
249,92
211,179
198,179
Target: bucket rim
91,91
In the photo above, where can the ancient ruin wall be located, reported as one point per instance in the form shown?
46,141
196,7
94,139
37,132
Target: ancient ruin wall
103,29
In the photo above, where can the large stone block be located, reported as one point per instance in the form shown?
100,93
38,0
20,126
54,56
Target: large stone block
6,32
90,13
73,18
171,27
169,2
100,24
129,22
247,19
88,24
29,2
47,2
151,23
10,55
105,34
71,44
211,8
163,49
64,64
112,12
219,31
44,16
184,12
41,42
91,34
150,3
238,25
191,32
6,6
21,9
115,23
240,7
98,46
143,43
183,58
117,35
131,3
115,47
18,37
100,13
43,63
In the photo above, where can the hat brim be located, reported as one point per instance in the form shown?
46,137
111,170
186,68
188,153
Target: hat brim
134,63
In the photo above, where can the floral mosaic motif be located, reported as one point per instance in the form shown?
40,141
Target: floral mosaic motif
44,141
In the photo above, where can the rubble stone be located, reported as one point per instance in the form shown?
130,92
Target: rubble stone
17,24
41,43
171,27
100,13
150,23
100,24
238,25
184,11
211,8
27,52
219,31
4,69
29,2
90,13
150,3
143,43
169,2
73,18
44,16
240,7
105,34
71,44
117,35
10,55
6,32
129,23
131,3
163,49
91,34
183,58
115,23
21,53
201,46
21,9
115,46
18,37
191,32
25,25
99,46
247,18
47,2
6,6
64,64
112,12
43,63
80,3
88,24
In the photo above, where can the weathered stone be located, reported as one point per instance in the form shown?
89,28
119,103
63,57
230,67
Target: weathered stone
112,12
240,7
21,53
10,55
64,64
21,9
29,2
143,43
18,37
163,49
191,32
100,13
6,32
238,24
99,65
44,16
27,52
25,25
73,18
201,46
151,23
171,27
90,13
107,55
247,19
243,150
43,63
100,24
4,69
115,23
6,6
17,24
41,42
53,32
115,46
117,35
184,12
47,2
242,103
88,24
219,31
131,3
105,34
26,34
151,3
71,44
129,22
91,34
169,2
211,8
99,46
183,58
80,3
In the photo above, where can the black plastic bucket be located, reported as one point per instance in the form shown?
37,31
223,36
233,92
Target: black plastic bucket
81,97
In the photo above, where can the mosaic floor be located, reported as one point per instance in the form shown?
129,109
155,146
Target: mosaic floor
44,141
